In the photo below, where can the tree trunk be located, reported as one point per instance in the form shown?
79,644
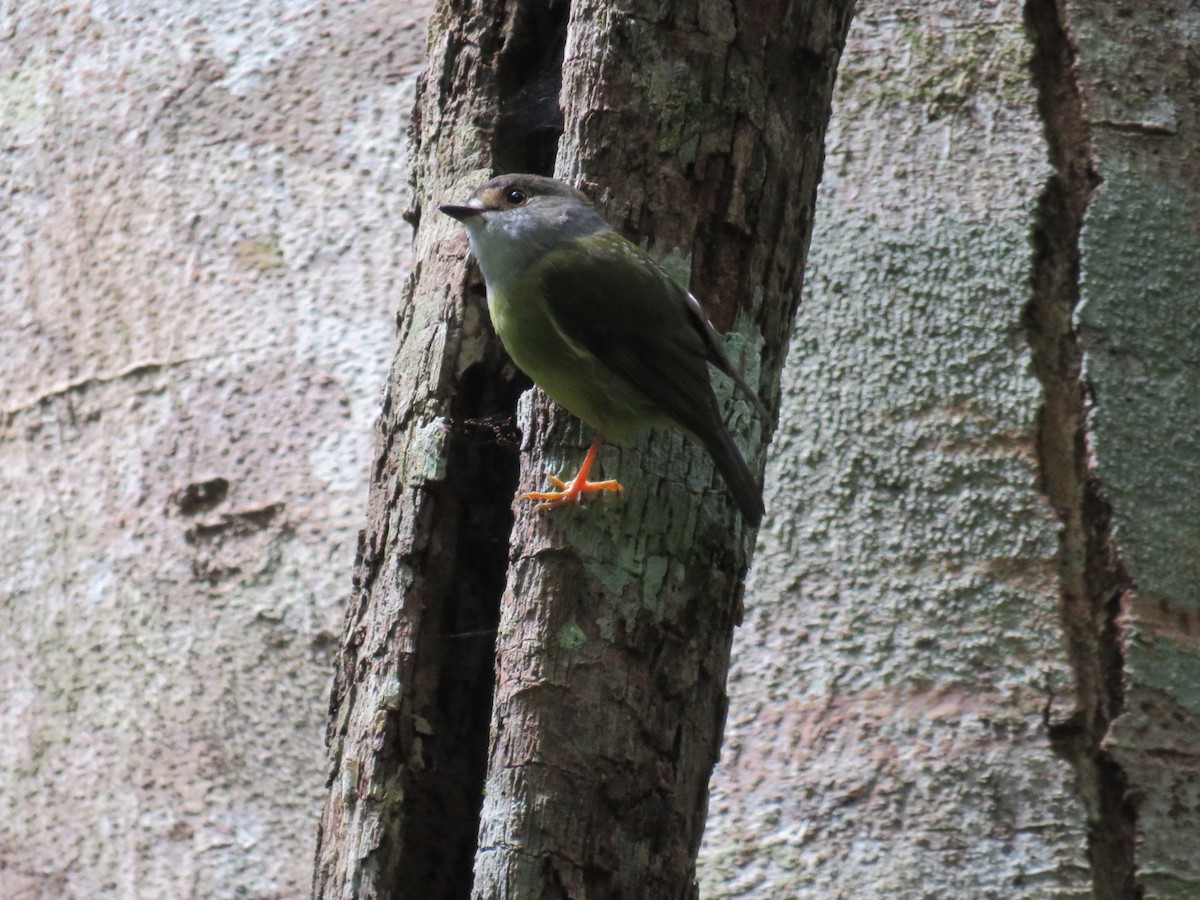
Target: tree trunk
194,324
1137,331
413,681
931,643
614,630
616,622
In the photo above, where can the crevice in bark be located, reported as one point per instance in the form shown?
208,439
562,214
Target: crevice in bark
465,572
1094,584
411,702
529,77
461,577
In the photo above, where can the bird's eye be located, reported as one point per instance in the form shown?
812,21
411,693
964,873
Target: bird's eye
515,196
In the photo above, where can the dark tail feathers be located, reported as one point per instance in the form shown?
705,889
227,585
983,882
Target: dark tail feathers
732,466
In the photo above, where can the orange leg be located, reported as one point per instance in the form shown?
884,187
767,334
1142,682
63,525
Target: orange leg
573,491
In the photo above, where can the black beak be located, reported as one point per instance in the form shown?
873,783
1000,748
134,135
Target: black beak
462,213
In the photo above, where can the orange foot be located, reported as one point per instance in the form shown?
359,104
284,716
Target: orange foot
572,491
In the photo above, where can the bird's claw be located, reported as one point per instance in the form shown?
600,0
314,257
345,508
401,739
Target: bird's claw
568,492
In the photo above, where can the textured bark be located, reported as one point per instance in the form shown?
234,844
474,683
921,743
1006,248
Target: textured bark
413,682
194,324
1094,583
902,644
899,682
1138,329
199,256
705,125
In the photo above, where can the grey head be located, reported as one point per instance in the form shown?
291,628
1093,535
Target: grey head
513,220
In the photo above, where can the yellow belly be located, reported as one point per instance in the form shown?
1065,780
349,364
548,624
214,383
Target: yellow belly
568,374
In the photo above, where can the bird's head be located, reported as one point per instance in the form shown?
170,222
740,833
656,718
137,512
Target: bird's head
513,220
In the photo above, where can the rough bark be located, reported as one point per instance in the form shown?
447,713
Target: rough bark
1137,327
902,643
413,682
704,125
1092,578
909,750
194,324
650,602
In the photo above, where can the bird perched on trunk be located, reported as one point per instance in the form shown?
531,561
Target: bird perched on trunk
600,327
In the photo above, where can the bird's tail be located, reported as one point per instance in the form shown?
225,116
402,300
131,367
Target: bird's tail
732,466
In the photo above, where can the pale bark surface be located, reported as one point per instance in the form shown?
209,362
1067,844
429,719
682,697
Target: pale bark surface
945,687
902,640
1139,325
202,251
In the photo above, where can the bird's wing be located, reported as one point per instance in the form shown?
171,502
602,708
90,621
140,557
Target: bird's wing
616,303
718,357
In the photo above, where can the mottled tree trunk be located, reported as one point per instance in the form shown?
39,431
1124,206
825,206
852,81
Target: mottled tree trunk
704,127
969,664
1128,155
413,681
198,258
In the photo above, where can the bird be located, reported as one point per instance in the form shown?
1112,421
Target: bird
601,327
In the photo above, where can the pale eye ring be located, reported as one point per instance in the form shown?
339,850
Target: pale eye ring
515,196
